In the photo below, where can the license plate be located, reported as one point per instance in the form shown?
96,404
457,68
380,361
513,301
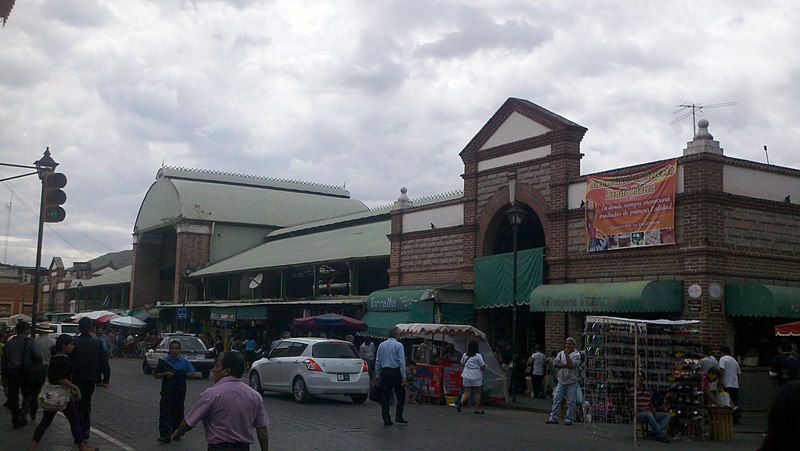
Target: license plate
343,377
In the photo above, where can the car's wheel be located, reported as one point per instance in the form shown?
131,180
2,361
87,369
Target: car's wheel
299,390
255,382
359,399
206,373
146,368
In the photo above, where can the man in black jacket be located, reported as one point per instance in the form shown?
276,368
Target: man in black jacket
17,360
90,368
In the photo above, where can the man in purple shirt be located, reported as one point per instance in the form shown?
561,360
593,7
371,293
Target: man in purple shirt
229,410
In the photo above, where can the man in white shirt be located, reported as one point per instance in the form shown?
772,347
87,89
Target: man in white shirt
567,363
536,362
730,378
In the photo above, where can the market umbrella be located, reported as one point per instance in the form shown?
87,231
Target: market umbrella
14,319
330,321
101,316
788,330
127,321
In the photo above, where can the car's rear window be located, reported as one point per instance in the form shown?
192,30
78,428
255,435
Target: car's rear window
334,350
187,343
70,329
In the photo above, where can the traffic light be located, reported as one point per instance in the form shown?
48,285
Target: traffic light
53,197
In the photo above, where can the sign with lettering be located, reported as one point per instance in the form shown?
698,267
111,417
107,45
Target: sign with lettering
631,210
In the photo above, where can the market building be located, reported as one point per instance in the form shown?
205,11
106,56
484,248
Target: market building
722,248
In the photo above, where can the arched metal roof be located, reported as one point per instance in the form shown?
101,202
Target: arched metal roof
185,194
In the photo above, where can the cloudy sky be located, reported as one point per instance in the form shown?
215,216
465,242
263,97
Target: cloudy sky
374,95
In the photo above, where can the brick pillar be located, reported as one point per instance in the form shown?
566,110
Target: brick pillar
193,248
554,334
145,269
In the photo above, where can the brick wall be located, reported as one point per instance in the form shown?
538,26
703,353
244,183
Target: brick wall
145,270
193,249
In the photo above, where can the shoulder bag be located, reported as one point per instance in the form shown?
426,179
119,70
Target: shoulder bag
54,398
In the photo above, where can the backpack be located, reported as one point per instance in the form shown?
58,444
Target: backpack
791,368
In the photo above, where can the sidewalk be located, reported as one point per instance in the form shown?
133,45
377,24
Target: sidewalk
58,435
751,422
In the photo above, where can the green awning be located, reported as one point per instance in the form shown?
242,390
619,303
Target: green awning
379,323
401,298
494,274
240,313
641,297
755,299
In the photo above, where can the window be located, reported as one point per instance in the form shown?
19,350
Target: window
281,350
335,350
296,349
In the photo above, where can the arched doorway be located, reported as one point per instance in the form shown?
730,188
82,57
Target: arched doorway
530,326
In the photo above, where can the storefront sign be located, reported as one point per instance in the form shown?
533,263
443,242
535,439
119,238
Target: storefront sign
631,210
223,317
694,305
390,304
716,306
596,304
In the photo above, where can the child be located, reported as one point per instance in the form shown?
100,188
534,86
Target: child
412,388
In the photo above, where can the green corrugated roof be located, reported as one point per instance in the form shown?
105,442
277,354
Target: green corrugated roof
358,241
210,196
122,275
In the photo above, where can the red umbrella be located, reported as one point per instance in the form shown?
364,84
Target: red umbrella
788,330
330,321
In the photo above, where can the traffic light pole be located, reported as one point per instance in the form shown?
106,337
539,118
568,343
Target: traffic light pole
38,260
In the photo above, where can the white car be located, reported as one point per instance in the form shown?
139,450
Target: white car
64,328
312,366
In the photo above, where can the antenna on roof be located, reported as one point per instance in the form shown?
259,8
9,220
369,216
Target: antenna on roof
766,153
694,109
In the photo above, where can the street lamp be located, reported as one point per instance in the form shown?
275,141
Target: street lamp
515,216
78,300
43,165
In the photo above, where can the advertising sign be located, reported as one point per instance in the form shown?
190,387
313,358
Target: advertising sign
631,210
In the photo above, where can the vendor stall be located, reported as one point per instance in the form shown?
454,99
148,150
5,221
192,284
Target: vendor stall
788,330
443,378
665,353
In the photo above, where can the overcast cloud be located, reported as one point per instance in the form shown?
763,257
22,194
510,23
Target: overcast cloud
372,94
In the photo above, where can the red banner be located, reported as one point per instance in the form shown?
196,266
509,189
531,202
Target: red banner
631,210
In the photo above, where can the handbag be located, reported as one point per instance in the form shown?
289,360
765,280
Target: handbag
54,398
375,392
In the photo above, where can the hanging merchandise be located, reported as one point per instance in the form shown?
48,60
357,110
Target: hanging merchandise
664,353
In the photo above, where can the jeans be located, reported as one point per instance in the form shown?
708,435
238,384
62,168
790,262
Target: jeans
656,421
571,392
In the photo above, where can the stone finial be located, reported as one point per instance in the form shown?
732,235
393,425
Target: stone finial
402,201
703,142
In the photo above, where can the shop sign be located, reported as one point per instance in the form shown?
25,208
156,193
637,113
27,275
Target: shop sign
595,303
390,304
694,305
223,317
631,210
716,306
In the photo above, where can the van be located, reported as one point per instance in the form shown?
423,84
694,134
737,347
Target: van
64,328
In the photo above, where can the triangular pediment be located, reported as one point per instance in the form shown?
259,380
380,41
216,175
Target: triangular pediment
515,128
519,120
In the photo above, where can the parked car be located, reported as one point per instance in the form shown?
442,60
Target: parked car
192,348
64,328
312,366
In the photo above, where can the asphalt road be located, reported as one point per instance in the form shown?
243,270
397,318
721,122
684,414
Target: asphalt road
125,417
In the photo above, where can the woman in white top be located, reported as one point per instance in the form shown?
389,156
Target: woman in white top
472,376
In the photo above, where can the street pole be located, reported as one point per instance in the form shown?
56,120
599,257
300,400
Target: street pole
515,216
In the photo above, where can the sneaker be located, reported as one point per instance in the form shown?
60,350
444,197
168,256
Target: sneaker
551,422
567,422
458,407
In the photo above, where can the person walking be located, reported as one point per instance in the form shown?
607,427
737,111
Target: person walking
472,376
16,362
537,362
249,351
390,370
90,368
229,410
730,379
367,352
42,346
567,363
173,370
59,372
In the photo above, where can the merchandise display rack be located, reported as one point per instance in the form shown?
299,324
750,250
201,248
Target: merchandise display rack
665,352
